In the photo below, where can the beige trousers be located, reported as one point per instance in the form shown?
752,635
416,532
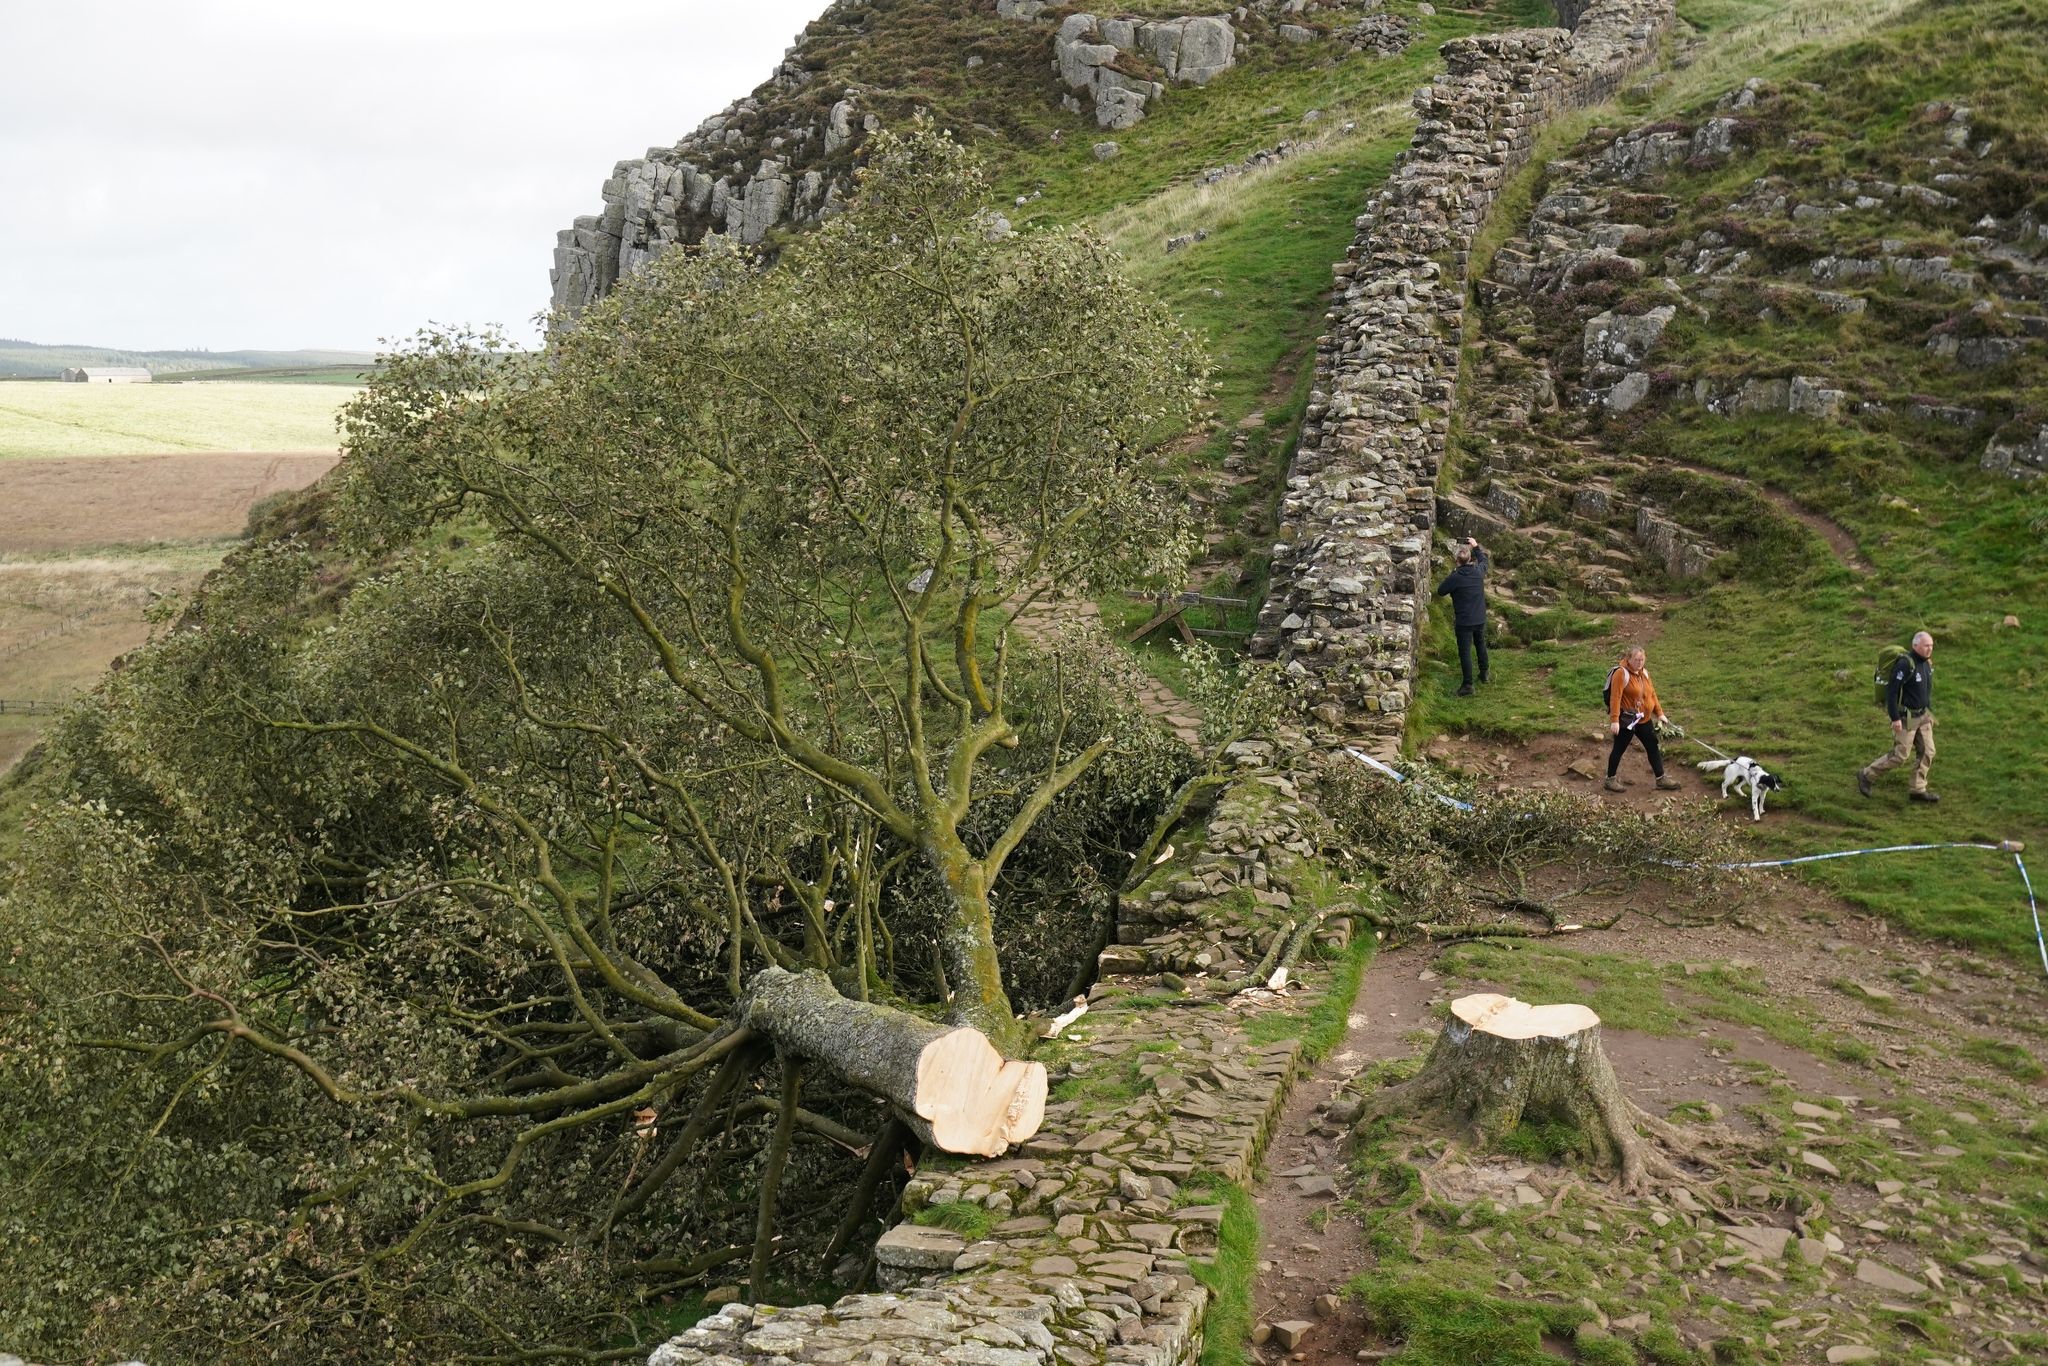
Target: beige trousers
1918,735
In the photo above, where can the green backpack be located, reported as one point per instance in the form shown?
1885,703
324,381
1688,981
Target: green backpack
1886,658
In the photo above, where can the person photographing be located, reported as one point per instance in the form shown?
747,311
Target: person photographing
1465,586
1633,712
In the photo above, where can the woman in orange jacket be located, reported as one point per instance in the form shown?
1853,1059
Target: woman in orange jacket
1633,711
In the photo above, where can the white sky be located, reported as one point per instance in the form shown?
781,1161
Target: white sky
278,174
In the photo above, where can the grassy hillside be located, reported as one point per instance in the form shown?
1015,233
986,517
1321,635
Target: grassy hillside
30,360
53,420
1772,655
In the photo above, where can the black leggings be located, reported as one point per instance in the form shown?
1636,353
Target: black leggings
1469,639
1646,731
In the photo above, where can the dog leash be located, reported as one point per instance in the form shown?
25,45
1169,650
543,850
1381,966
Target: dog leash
1681,733
2012,847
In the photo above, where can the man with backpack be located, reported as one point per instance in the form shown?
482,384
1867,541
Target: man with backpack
1465,586
1633,712
1905,681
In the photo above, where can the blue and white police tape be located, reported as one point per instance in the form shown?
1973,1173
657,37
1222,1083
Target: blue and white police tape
2012,847
1400,777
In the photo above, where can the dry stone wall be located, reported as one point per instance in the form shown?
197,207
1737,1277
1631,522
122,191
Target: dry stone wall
1352,571
1098,1216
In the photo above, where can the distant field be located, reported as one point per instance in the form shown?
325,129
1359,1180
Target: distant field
63,618
352,375
58,507
52,420
31,360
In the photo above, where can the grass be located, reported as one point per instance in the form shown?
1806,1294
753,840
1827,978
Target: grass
1227,1328
45,421
2008,1058
1772,656
1627,995
969,1220
1450,1325
1321,1027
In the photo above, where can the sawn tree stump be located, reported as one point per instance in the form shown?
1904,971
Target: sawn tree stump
948,1083
1500,1061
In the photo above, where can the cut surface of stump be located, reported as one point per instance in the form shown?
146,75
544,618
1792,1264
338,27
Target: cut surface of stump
947,1082
1499,1061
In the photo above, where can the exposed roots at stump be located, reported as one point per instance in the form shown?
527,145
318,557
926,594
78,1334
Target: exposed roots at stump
1500,1061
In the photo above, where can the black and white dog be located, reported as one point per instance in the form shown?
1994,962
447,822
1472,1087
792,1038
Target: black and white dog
1745,772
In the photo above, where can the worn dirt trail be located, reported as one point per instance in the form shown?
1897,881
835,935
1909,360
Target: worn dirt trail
1836,965
1042,618
1838,538
1307,1252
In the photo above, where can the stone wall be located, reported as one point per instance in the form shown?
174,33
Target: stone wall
1353,569
1097,1217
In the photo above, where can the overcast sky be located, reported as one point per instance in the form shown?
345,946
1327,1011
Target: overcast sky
278,174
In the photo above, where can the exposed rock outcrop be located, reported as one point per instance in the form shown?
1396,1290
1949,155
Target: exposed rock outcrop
2022,459
1113,61
728,178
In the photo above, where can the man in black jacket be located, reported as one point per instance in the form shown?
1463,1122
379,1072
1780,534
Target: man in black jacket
1465,586
1909,699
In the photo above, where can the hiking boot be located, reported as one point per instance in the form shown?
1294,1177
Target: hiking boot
1614,785
1465,690
1667,783
1486,678
1863,781
1927,797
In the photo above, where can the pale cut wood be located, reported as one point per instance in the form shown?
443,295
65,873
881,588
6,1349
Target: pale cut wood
947,1082
961,1078
1505,1017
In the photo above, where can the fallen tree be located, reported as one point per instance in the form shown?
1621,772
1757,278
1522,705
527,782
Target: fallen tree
1520,863
950,1085
628,801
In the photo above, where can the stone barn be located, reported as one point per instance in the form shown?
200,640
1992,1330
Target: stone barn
106,374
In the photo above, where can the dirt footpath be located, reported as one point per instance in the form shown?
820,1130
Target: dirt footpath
1885,1083
54,506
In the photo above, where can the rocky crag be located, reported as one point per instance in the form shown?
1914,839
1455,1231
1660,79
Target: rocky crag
1353,565
784,156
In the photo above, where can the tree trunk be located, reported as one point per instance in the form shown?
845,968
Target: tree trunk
967,942
1500,1061
948,1083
